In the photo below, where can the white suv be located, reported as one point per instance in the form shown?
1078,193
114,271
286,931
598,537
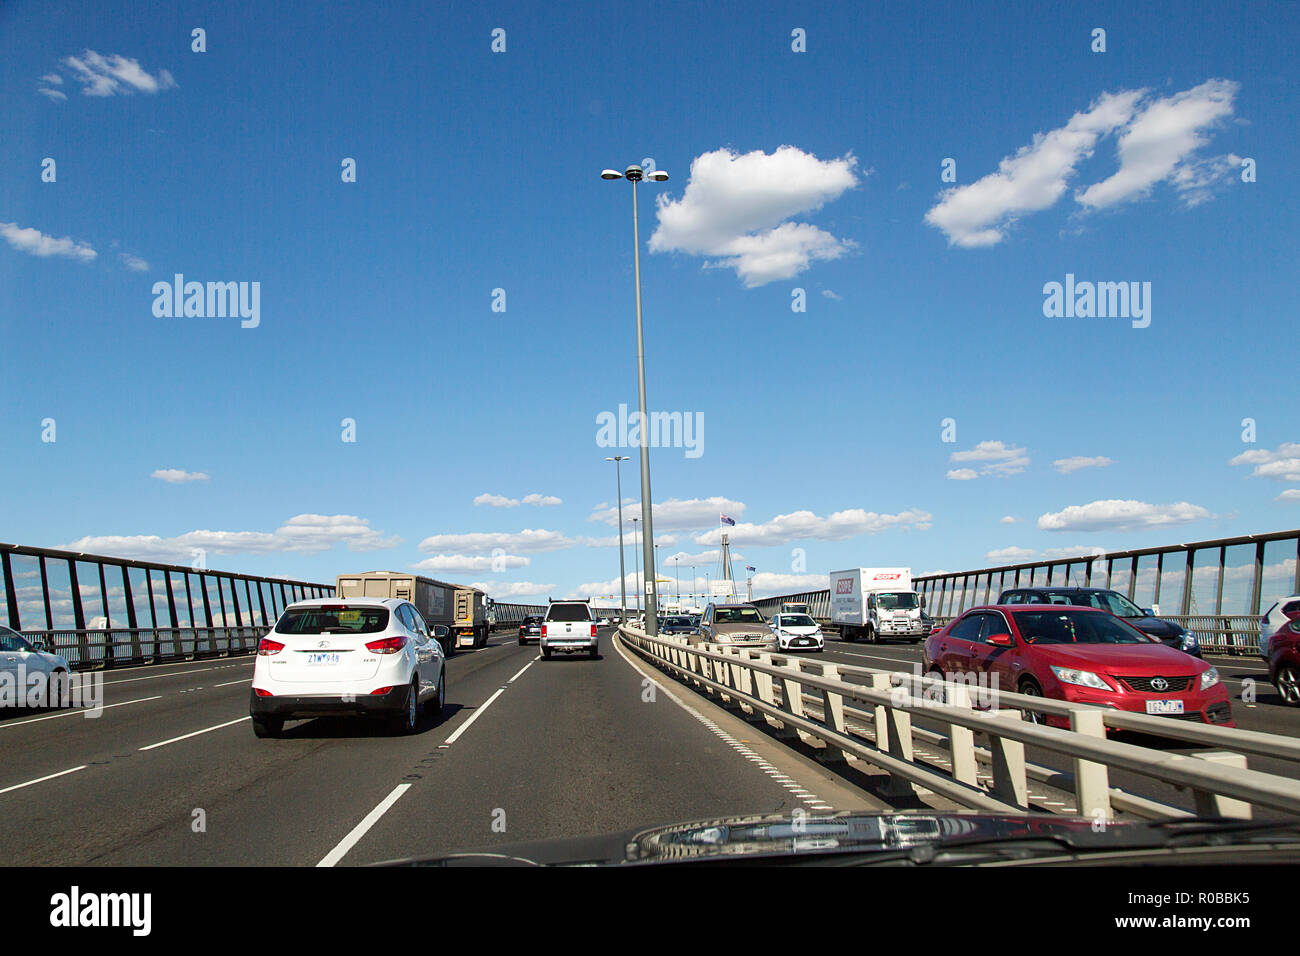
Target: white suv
569,626
348,657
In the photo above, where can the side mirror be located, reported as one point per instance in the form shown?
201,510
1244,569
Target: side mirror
1147,612
440,630
1000,640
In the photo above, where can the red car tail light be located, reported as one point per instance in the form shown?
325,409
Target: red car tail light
543,630
593,630
262,693
381,690
266,647
387,645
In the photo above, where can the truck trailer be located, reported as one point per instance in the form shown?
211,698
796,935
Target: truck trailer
462,609
877,604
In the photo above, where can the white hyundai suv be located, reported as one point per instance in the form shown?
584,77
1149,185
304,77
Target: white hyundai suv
348,657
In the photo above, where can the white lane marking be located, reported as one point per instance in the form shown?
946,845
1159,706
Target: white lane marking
73,713
197,670
522,669
19,786
473,717
243,680
164,743
360,830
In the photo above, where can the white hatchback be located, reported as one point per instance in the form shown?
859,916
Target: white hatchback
348,657
31,674
797,632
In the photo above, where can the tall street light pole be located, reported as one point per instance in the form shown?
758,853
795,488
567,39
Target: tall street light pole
622,572
634,175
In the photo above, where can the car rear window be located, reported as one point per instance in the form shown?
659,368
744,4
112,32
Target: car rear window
568,612
1076,627
332,620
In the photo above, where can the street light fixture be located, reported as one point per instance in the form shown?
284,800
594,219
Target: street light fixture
622,572
634,175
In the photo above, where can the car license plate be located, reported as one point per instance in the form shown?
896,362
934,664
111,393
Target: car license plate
1164,707
322,659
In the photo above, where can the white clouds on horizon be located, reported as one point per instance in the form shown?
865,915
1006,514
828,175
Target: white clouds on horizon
1114,514
675,514
471,564
501,501
805,525
999,460
736,211
1282,464
36,243
1070,465
529,540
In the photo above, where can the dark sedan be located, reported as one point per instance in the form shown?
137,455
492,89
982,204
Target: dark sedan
1166,632
530,629
677,624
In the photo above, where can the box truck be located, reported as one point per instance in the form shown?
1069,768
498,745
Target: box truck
462,609
877,604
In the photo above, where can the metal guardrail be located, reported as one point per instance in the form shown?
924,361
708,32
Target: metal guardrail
772,688
87,649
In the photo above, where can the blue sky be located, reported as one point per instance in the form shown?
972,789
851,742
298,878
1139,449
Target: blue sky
476,171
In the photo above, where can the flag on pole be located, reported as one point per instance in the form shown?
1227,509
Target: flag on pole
749,567
723,519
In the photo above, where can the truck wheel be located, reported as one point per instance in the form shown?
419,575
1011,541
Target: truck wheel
546,653
849,634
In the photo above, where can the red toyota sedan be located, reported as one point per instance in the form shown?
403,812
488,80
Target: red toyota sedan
1077,654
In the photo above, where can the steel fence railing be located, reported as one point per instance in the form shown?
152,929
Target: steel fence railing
87,649
774,688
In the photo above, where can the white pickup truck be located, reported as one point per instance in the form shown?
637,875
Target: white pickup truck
569,626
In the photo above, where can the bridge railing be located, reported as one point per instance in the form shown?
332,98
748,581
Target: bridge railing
864,715
87,649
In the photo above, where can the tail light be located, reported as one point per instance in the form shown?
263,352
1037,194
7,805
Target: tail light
387,645
380,690
593,630
543,629
262,693
266,647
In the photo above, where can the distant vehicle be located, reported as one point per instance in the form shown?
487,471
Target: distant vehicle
1284,661
1275,618
877,604
462,610
797,632
794,607
530,629
1080,654
604,622
21,658
358,657
676,624
570,627
735,623
1166,632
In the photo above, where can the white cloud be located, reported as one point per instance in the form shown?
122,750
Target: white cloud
1114,514
1068,465
50,94
630,537
1001,460
1156,145
1011,555
1283,464
501,501
302,534
471,564
736,208
831,295
766,584
805,525
981,213
1291,494
115,74
529,540
36,243
53,79
674,514
1008,519
178,475
962,474
513,589
134,263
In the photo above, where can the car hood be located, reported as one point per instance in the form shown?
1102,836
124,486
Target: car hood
769,838
742,629
1157,628
1132,659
